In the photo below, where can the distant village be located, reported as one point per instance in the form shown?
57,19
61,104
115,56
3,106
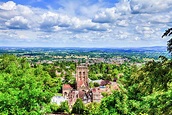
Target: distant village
115,60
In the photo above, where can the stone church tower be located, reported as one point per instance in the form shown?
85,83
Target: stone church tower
82,78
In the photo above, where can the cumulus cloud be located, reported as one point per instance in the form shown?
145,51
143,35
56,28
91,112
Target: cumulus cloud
53,21
15,16
10,5
80,8
18,22
144,30
10,9
87,25
150,6
110,15
106,16
122,23
87,22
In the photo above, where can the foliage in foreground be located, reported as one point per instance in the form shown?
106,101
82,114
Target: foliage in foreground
169,42
78,107
23,89
147,91
62,108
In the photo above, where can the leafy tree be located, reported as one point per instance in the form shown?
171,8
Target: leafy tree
96,84
69,79
23,89
169,43
150,87
62,108
78,107
157,103
115,104
144,90
93,108
93,76
50,69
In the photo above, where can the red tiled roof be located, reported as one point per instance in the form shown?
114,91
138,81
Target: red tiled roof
96,89
104,82
67,86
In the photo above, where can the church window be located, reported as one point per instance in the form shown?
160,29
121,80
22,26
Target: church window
79,75
84,76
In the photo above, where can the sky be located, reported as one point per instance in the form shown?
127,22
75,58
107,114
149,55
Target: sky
84,23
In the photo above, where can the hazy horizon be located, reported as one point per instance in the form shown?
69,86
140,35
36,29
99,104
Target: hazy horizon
78,47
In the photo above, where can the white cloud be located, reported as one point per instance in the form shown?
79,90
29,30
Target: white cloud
144,30
87,25
107,16
52,20
80,8
87,22
150,6
18,22
161,18
55,21
110,15
123,7
10,5
24,10
122,22
16,16
10,9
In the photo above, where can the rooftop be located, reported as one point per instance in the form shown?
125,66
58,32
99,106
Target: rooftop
67,86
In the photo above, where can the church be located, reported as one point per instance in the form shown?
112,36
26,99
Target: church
82,89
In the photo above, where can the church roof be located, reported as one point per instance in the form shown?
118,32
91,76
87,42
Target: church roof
96,89
67,86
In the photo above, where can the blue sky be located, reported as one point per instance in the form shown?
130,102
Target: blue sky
84,23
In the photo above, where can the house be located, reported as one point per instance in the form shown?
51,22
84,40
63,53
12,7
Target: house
58,99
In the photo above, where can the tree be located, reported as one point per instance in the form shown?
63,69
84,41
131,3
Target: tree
145,90
23,89
62,108
149,88
78,107
93,108
96,84
115,104
169,43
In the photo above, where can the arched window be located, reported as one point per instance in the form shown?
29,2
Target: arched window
65,94
84,76
79,75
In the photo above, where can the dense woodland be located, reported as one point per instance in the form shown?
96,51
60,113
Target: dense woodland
27,88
